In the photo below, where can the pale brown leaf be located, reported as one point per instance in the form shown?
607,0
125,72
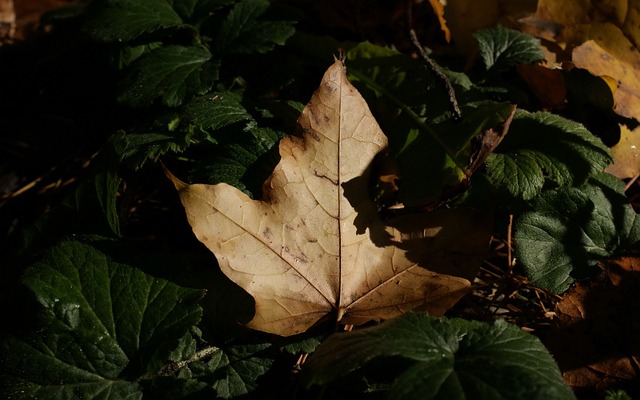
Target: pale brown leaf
315,245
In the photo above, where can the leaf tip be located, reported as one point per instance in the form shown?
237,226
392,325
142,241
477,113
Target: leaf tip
176,182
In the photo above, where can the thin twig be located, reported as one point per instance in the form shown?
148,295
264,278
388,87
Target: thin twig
173,367
631,182
429,62
442,77
510,260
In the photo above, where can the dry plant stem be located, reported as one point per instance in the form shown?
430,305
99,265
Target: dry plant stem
510,260
302,358
172,367
500,292
495,267
631,182
25,188
442,77
424,127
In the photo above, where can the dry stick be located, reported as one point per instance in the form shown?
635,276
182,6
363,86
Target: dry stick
172,367
510,260
302,358
630,183
442,77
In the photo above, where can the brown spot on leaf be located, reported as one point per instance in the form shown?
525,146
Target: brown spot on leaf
267,233
314,136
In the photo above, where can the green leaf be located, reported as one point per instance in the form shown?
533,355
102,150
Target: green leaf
186,347
237,369
232,371
616,395
393,81
502,48
245,163
445,359
99,324
176,382
521,176
176,388
171,74
216,110
242,32
128,54
138,148
633,240
409,81
426,170
303,344
95,198
124,20
543,148
415,114
244,156
195,9
570,229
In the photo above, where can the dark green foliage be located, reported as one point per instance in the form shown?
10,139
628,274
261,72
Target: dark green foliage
170,73
571,228
243,32
124,20
445,359
98,324
501,48
209,87
545,149
216,110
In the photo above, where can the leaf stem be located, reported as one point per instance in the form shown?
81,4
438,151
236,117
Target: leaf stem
415,117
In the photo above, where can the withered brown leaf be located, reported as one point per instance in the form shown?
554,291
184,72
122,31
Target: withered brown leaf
314,245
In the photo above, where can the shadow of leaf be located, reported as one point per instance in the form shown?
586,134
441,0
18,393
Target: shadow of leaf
447,241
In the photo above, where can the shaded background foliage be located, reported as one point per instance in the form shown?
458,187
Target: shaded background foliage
210,86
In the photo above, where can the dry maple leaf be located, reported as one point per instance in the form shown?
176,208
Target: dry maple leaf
315,245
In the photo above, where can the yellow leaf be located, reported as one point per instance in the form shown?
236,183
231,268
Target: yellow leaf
627,73
604,36
631,25
314,246
438,10
626,154
467,16
613,24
